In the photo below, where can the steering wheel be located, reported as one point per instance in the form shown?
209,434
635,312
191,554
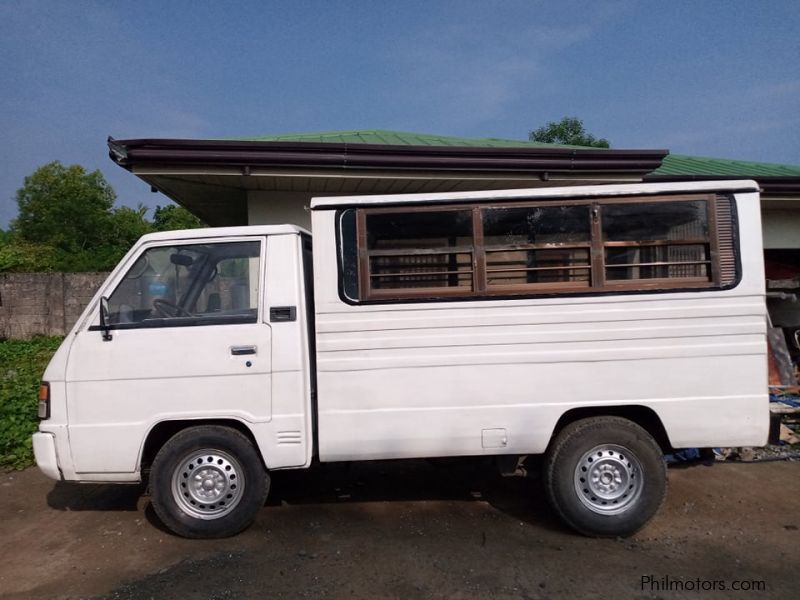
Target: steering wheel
167,309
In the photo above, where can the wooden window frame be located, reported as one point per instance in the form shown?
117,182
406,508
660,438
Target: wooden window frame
596,246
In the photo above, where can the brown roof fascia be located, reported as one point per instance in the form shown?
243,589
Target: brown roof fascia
778,186
175,152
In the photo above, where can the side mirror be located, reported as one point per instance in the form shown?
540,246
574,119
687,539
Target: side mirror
104,319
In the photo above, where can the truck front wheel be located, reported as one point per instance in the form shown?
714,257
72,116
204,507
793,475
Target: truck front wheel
605,476
208,482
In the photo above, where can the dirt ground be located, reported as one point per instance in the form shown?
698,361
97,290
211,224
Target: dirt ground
406,530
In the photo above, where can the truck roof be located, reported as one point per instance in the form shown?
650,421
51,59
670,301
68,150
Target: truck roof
581,191
207,232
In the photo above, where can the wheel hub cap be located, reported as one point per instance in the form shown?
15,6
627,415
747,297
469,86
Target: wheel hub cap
608,479
208,484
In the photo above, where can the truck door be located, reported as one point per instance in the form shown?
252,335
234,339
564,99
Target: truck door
188,340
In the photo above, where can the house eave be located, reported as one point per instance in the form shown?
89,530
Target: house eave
336,156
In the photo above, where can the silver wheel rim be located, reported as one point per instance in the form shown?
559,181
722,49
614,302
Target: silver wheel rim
608,479
208,484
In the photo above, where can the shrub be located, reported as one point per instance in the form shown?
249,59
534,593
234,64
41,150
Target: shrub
22,363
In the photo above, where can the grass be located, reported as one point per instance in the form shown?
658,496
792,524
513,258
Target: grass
22,363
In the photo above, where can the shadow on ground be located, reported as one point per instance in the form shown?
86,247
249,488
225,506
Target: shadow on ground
469,479
94,497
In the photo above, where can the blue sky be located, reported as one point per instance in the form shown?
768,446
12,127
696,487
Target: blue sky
708,78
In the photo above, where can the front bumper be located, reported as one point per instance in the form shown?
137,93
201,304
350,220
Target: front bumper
44,449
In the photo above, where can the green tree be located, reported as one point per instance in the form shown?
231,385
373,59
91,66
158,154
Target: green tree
66,208
172,216
569,131
20,255
125,226
129,224
24,257
67,221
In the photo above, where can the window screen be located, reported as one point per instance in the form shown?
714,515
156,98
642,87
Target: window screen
426,250
537,245
656,240
578,246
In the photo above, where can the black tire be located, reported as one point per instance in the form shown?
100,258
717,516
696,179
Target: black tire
591,465
208,482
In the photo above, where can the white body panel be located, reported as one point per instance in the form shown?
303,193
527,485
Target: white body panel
117,391
429,379
413,379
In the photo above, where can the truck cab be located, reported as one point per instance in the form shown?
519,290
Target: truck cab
200,326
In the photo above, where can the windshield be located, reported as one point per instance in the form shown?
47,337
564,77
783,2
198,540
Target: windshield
188,282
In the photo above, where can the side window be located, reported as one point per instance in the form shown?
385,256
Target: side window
583,245
190,284
657,240
424,251
538,245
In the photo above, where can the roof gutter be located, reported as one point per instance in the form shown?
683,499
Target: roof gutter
176,152
778,186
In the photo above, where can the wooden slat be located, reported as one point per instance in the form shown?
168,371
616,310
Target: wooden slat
479,257
421,251
526,269
658,264
597,251
543,246
550,286
648,243
416,274
391,293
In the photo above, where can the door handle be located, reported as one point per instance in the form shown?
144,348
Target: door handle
242,350
282,313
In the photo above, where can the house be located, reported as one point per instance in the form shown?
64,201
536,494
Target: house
269,180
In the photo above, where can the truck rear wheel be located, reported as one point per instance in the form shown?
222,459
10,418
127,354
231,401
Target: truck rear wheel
605,476
208,482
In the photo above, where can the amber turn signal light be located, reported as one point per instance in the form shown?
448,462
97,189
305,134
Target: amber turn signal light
44,400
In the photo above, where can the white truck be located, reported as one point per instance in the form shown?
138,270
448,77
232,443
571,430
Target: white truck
599,326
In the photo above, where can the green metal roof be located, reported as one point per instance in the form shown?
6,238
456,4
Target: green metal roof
679,164
673,164
400,138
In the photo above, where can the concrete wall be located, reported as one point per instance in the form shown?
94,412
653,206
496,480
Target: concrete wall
279,208
44,303
781,228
